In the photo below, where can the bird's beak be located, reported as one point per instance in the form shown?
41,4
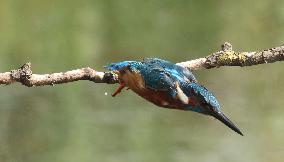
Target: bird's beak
221,117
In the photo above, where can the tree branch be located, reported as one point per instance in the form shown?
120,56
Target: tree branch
25,76
225,57
228,57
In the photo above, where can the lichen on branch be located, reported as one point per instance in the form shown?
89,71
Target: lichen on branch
228,57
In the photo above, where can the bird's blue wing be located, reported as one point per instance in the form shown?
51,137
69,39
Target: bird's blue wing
201,94
156,78
177,72
181,74
164,75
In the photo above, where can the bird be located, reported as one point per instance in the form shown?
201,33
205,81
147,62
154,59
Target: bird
168,85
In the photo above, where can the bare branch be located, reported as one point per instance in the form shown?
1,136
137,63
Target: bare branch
25,76
228,57
225,57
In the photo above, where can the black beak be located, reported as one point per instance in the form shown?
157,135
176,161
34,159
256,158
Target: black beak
221,117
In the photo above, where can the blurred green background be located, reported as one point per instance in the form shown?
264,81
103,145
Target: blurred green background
77,122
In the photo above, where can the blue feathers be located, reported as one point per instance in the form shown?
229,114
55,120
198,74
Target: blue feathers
200,92
177,72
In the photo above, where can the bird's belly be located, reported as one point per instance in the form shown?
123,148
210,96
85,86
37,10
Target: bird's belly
161,99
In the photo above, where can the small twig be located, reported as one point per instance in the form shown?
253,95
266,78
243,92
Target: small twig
225,57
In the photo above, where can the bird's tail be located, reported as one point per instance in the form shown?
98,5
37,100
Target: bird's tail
221,117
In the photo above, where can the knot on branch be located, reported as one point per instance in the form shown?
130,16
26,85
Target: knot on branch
226,47
23,74
225,57
99,77
110,78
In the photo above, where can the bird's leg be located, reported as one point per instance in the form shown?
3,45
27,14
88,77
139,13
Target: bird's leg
118,90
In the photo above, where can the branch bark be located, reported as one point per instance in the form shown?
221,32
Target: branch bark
225,57
228,57
25,76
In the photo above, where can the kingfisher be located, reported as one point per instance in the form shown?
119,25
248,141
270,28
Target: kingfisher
168,85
